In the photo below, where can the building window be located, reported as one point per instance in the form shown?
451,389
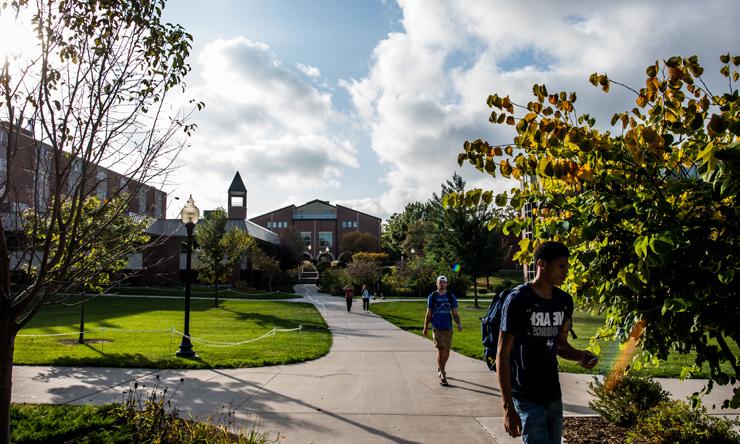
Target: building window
102,186
142,200
349,224
158,205
306,236
325,239
3,169
74,175
236,201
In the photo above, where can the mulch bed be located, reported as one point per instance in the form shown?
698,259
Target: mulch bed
592,430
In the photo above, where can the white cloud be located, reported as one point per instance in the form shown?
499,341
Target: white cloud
425,92
267,120
308,70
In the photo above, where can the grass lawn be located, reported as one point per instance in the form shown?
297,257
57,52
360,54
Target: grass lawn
233,321
515,276
410,317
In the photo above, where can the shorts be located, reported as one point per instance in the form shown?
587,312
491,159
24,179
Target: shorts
442,338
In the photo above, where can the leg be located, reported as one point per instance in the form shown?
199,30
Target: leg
534,422
555,420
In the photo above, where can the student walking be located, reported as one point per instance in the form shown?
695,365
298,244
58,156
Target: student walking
348,294
535,321
441,309
365,299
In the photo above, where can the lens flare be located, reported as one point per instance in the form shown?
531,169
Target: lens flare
456,268
625,356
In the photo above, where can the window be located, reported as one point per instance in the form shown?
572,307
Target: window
306,236
325,238
158,204
236,201
102,186
74,175
3,169
142,200
349,224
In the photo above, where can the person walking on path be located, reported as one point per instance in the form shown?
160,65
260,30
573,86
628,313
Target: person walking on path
365,298
535,320
441,309
348,294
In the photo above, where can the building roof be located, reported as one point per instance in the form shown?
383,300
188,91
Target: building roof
175,227
299,212
237,184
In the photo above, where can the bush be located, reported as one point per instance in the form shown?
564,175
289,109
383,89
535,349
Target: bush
333,281
622,402
677,422
323,266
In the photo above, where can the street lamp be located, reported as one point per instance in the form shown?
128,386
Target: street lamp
189,215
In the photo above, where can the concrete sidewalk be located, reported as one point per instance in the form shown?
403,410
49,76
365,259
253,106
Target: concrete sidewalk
377,384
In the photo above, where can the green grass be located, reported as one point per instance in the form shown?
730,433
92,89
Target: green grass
66,423
515,276
410,317
233,321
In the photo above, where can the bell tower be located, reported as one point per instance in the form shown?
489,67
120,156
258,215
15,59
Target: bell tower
237,199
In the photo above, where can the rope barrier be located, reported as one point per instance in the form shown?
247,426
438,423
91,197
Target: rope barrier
234,344
316,301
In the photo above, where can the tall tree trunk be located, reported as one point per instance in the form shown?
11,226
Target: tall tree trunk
488,282
475,290
81,339
7,345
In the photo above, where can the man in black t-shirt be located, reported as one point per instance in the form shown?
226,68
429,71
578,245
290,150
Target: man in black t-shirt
535,321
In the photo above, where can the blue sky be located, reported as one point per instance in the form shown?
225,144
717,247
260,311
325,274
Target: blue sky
367,103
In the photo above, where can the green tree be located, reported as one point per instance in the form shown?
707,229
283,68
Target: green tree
650,211
395,229
94,90
220,251
269,266
291,248
356,241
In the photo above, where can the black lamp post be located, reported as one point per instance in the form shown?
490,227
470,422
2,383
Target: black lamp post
189,215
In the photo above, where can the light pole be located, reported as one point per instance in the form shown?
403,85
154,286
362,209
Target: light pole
189,215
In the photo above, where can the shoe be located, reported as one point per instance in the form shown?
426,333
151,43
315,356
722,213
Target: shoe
443,382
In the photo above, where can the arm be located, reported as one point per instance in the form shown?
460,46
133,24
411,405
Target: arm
566,351
427,320
512,422
456,317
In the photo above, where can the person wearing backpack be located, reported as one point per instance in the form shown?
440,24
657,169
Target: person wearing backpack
441,309
535,320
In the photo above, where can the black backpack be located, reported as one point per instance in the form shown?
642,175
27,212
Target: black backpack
490,324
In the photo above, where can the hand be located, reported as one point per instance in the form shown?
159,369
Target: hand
588,360
459,326
512,422
425,332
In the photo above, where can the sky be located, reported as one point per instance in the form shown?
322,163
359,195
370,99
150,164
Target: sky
367,103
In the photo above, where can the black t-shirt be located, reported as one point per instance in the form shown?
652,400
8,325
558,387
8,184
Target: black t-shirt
536,324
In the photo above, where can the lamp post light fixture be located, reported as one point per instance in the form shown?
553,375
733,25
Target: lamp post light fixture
189,215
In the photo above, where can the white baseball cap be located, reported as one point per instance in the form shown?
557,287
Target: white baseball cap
441,278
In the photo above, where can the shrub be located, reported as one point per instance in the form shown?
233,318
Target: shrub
363,272
333,281
323,266
623,401
677,422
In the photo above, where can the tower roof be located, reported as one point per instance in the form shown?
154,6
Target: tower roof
237,184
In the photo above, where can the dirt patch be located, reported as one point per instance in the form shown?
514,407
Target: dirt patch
87,341
592,430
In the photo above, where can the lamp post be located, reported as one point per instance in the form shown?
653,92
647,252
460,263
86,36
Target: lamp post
189,215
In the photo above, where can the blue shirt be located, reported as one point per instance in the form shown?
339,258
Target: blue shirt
536,324
441,306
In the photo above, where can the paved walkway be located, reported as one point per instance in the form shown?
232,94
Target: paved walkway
377,384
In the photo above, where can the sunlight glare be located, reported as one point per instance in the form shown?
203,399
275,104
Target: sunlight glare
16,37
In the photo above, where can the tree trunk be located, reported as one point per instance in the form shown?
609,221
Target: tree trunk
475,290
215,294
488,282
81,339
7,345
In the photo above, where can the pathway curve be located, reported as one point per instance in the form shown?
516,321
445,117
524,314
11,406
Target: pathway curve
377,384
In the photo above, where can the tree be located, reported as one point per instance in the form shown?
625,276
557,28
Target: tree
650,212
266,264
94,94
356,241
394,230
220,251
291,248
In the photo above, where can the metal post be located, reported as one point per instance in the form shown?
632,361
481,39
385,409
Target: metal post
186,347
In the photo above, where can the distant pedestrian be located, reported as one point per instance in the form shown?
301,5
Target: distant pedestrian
535,321
378,289
348,294
365,298
441,309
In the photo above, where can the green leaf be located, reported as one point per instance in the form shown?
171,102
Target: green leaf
661,245
501,199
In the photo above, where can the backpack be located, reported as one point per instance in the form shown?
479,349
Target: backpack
490,324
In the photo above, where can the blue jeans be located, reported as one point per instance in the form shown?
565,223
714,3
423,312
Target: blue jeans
541,423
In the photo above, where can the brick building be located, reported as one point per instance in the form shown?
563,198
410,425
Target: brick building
321,226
